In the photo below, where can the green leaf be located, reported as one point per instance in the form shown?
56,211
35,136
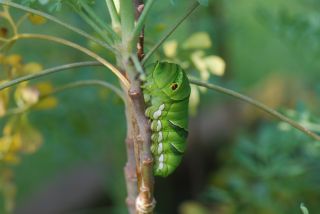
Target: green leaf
203,2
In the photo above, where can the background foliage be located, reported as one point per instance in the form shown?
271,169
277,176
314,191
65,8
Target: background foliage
255,165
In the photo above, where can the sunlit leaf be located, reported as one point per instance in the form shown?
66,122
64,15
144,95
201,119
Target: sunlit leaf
36,20
47,103
197,59
170,48
32,67
26,95
4,99
13,60
199,40
44,87
11,158
31,138
5,143
194,100
215,65
192,207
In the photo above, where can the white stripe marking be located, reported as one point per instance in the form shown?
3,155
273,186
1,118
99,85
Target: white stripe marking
160,137
159,125
161,107
160,166
161,158
160,148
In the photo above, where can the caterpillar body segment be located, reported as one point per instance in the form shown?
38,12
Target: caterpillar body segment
167,92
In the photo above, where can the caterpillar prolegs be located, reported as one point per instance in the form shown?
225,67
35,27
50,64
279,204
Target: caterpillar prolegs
167,91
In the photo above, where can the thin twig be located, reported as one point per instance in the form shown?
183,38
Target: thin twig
54,19
48,72
77,84
258,104
143,12
85,83
113,14
97,19
88,52
168,34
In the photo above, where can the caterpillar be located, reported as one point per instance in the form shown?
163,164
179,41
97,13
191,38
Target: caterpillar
166,92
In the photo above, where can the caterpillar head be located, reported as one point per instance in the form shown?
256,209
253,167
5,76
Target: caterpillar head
172,80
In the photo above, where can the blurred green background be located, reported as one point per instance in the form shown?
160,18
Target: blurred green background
239,160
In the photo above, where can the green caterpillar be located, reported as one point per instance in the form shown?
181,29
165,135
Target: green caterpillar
166,92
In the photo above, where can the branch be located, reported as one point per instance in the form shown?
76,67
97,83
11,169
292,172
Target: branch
54,19
48,72
113,14
97,19
168,34
257,104
90,53
84,83
145,202
141,21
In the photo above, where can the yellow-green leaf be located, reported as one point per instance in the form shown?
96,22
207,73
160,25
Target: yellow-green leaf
26,95
32,67
200,40
170,48
47,103
36,20
215,65
194,100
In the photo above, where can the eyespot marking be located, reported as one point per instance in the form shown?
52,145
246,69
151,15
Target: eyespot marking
174,86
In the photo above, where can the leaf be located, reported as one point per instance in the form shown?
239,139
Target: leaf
26,95
13,60
32,68
36,20
192,207
215,65
31,138
194,100
199,40
170,48
197,59
203,2
47,103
